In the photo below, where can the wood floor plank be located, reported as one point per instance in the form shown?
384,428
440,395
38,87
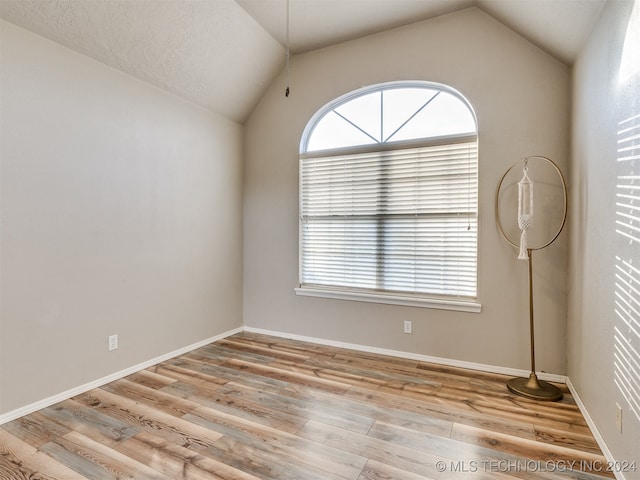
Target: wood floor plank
392,367
35,429
20,461
271,463
286,344
157,399
568,438
380,471
294,447
300,405
97,461
424,442
254,407
150,379
268,350
289,376
95,425
554,421
262,413
445,412
218,354
190,391
463,455
178,369
173,428
187,366
355,376
526,448
178,462
346,407
391,454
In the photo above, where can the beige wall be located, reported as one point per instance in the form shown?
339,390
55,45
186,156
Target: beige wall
606,92
121,214
521,97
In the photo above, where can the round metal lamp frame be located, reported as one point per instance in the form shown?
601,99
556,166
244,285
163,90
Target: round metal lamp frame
533,387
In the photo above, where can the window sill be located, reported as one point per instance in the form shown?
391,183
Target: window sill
390,299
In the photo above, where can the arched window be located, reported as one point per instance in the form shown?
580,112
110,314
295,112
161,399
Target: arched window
388,197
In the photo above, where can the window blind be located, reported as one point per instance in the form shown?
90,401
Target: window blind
402,220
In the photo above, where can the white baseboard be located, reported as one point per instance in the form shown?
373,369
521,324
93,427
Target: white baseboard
515,372
594,430
33,407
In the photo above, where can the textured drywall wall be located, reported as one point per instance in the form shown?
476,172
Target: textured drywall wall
120,214
604,293
521,99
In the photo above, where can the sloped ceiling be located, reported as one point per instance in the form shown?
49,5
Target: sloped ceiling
223,54
210,52
558,26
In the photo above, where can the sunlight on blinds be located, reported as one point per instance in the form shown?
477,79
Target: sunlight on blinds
627,264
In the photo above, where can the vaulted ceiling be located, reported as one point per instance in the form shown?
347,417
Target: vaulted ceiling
223,54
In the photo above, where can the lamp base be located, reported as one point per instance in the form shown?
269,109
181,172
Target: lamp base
533,388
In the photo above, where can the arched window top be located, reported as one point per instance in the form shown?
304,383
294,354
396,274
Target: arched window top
389,113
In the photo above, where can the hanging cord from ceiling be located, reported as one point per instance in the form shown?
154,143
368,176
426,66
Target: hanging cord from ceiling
286,92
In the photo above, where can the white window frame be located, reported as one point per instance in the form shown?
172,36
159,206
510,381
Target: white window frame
465,304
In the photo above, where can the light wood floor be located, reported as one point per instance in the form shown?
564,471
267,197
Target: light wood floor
258,407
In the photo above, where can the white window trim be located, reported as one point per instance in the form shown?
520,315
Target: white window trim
470,306
459,304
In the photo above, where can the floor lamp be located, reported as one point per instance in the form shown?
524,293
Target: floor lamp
531,387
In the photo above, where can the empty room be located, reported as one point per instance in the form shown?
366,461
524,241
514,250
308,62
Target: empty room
319,239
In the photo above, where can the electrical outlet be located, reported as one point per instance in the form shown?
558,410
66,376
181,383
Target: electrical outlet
619,418
407,326
113,342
